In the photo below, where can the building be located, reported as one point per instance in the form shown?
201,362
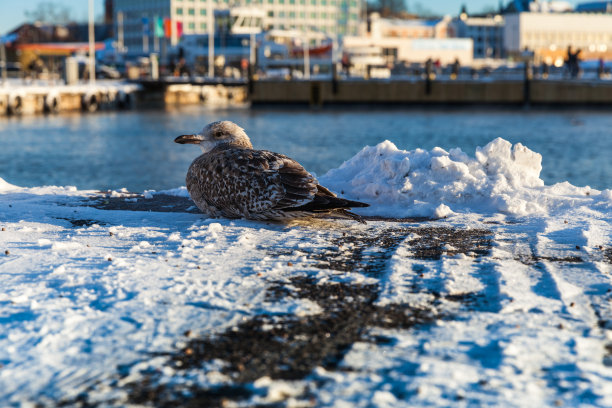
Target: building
548,35
333,17
595,7
408,28
487,33
538,6
392,41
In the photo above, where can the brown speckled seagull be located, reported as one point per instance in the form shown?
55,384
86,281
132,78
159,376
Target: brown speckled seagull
231,179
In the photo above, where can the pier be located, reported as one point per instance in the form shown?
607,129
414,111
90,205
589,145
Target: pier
549,93
214,92
17,98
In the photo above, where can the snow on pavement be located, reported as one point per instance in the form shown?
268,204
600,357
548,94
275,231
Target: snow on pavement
517,278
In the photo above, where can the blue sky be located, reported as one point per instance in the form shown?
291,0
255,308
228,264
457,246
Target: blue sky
12,11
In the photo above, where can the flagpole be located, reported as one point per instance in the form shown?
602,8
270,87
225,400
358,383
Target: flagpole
120,32
145,35
211,40
155,40
3,61
173,30
92,56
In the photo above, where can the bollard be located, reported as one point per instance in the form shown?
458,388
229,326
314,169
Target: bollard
154,67
334,78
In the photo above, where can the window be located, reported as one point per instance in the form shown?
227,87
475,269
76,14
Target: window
191,26
191,12
202,26
203,12
179,11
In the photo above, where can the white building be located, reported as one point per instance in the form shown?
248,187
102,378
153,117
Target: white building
595,7
487,33
539,6
390,41
548,35
335,17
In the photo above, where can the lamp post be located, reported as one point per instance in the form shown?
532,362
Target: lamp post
3,61
120,32
92,40
211,40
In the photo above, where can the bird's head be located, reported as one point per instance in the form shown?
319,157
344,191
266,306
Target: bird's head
217,133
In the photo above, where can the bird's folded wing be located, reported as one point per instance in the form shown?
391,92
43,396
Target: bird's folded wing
253,181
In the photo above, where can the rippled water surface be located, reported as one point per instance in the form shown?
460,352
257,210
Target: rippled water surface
135,149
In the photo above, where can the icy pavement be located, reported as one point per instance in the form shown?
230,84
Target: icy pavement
130,299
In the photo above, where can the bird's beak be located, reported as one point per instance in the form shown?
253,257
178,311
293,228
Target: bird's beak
189,139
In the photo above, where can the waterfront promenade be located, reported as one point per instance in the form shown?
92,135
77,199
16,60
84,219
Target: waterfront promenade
33,98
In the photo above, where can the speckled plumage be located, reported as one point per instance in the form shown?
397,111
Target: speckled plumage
231,179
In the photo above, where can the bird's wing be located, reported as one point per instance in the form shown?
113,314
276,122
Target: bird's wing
241,181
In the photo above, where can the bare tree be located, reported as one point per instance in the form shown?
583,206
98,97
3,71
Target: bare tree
387,8
423,11
49,12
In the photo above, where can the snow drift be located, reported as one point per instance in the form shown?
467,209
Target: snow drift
499,178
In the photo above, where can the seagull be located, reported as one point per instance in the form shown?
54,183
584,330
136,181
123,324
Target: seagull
233,180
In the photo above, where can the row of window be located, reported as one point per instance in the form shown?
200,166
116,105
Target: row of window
203,12
324,3
353,3
568,37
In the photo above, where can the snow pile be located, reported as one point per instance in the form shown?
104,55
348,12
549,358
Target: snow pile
499,178
5,187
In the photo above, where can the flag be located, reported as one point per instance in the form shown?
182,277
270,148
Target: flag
168,27
159,27
179,29
145,26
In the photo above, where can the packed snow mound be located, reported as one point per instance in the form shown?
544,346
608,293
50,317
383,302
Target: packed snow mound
4,186
501,177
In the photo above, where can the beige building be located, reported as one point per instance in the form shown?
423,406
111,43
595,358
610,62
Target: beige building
334,17
393,49
404,28
548,35
390,41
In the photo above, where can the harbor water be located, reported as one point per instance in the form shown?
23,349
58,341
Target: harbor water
135,149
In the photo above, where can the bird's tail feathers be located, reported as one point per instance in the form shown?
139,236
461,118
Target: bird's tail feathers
347,214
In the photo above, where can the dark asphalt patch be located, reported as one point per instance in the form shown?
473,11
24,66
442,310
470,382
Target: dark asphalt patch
137,202
432,243
77,223
291,347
